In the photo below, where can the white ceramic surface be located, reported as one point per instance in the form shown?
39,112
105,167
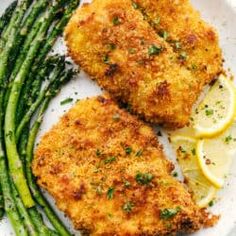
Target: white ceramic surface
221,14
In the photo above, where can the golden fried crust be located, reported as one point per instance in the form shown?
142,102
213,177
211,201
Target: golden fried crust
187,33
89,162
114,45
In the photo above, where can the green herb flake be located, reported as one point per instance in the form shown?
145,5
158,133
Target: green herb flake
128,207
209,112
98,152
139,153
175,174
193,151
168,213
66,101
144,178
110,160
211,203
183,56
135,5
110,193
105,59
116,20
164,34
177,45
228,139
116,117
111,46
154,50
127,184
128,150
182,149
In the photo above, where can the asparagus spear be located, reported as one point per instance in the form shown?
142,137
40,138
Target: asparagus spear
29,155
36,9
5,18
57,30
27,220
56,72
15,164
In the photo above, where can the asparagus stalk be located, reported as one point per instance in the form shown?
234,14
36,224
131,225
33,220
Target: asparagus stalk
15,164
29,156
56,31
32,16
27,220
38,7
56,72
6,17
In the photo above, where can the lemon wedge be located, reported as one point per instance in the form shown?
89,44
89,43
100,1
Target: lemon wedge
217,111
203,191
215,156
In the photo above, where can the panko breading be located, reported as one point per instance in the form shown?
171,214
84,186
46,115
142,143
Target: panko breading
192,38
107,172
115,46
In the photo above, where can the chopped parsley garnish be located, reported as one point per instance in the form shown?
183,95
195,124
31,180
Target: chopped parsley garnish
144,178
193,151
116,117
109,160
154,50
164,34
211,203
168,213
177,45
128,206
182,149
183,56
228,139
127,184
106,59
175,174
110,193
98,152
66,101
139,153
128,150
111,46
116,20
135,5
209,112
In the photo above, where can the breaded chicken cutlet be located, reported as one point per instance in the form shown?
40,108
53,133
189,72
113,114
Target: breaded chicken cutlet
189,35
107,172
115,46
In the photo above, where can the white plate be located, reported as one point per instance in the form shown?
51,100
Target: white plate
221,14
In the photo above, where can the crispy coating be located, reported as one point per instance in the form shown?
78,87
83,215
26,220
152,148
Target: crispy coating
115,46
107,172
191,37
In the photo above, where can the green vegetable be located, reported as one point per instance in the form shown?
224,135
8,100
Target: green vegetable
169,213
154,50
128,150
66,101
116,20
109,160
144,178
128,207
110,193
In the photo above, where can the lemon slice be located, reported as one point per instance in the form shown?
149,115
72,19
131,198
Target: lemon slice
215,155
203,191
216,112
